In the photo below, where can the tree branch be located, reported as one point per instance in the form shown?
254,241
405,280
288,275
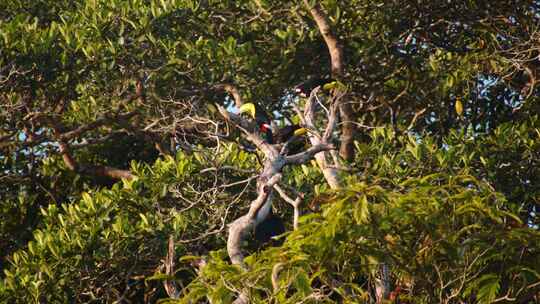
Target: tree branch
231,89
337,67
274,163
329,172
334,47
103,171
295,203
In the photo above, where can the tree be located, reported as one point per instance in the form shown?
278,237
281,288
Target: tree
118,138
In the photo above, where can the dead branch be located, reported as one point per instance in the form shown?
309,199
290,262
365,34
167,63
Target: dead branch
329,172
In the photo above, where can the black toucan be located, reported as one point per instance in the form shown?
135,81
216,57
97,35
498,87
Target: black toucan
269,228
283,135
256,112
261,119
304,88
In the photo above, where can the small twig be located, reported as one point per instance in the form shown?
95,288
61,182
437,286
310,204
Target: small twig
295,203
416,115
275,276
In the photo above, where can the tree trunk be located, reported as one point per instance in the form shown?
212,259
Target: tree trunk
346,150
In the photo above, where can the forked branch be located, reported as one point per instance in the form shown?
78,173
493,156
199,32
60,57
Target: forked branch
275,161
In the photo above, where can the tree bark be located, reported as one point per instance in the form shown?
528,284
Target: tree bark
99,171
269,177
330,173
346,149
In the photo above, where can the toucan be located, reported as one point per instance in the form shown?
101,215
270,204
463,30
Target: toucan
281,135
304,88
269,228
261,119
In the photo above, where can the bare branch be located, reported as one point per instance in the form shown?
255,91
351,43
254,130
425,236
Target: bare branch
231,89
329,172
271,174
303,157
295,203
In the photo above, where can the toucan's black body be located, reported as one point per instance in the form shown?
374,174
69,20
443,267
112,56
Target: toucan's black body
304,89
282,135
272,226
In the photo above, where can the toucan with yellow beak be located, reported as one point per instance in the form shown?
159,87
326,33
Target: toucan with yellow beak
281,135
304,88
261,119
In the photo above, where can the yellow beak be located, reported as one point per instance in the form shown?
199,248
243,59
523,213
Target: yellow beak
248,108
300,132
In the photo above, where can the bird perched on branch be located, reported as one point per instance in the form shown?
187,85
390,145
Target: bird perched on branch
304,88
293,135
281,135
266,231
261,119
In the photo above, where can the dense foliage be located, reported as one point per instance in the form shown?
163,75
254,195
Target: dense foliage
111,145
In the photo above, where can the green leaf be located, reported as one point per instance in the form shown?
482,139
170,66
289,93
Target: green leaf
302,283
361,210
160,277
489,285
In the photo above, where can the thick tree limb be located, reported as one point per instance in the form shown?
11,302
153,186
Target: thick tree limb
241,227
334,47
103,171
